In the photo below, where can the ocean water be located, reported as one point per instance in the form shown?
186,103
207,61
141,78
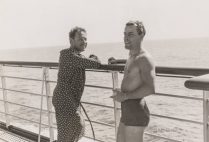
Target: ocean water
179,53
175,52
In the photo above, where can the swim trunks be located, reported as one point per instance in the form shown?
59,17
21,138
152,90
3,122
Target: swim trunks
134,112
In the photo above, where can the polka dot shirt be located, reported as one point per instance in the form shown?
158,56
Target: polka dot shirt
68,92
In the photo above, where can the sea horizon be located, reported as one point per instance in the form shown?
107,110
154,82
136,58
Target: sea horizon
191,52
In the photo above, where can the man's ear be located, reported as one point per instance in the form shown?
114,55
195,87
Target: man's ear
71,41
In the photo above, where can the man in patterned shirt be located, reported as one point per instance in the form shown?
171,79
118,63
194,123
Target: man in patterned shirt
70,86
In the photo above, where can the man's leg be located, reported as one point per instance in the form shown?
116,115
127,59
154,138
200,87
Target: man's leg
121,134
134,133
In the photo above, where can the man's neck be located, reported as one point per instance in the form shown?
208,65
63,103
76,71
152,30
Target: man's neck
75,50
136,51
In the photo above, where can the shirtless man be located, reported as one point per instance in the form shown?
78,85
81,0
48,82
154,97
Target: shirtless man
137,83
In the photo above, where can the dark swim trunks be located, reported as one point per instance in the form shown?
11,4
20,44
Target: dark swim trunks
134,112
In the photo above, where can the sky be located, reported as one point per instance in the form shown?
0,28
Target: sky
40,23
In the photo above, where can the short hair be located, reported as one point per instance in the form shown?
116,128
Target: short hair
74,30
139,26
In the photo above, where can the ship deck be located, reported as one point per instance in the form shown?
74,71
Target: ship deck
6,136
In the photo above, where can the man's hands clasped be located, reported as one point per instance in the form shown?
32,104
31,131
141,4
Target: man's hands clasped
120,96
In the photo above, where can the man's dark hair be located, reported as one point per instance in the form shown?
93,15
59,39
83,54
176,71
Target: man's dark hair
139,26
74,30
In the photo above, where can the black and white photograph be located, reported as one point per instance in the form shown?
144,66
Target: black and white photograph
104,71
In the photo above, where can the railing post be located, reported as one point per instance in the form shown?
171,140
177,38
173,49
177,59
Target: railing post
116,104
206,115
49,105
6,108
41,105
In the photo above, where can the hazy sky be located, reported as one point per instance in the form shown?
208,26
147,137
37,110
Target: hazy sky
35,23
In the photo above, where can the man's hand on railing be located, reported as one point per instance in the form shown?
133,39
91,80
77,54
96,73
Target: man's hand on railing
92,56
111,60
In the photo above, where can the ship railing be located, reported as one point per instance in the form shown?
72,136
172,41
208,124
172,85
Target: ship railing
202,83
176,72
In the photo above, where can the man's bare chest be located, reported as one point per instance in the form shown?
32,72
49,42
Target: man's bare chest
131,67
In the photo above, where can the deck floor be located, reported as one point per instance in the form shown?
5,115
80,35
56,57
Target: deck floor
6,136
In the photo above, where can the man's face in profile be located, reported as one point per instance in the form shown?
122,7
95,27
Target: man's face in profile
131,37
80,41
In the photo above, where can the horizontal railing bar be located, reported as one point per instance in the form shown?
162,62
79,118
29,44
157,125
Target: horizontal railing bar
25,119
94,86
97,104
28,66
101,123
189,71
103,71
174,76
179,119
53,111
24,105
160,94
165,138
178,96
156,115
22,78
101,87
28,120
95,139
96,122
81,102
51,81
198,83
25,63
87,85
24,66
55,64
161,116
35,94
159,69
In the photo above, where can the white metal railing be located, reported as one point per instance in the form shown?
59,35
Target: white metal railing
116,104
202,83
46,85
206,115
3,82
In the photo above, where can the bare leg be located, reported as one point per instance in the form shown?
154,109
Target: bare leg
120,134
134,133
